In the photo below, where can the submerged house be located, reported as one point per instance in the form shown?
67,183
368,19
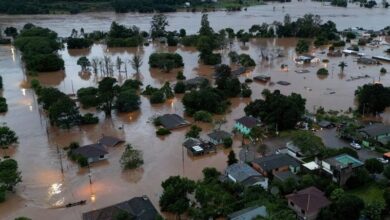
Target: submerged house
367,61
218,136
307,203
305,59
375,133
110,141
244,174
137,208
341,167
172,121
195,82
275,163
245,124
197,147
93,152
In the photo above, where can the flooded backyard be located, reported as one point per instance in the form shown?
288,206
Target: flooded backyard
45,189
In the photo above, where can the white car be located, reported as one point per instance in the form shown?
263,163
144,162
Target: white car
382,160
356,146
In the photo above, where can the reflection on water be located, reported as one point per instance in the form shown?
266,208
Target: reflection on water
45,186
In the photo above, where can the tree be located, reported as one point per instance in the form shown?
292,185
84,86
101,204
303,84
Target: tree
258,134
203,116
193,132
136,63
174,197
232,158
9,174
373,166
373,211
127,101
372,98
346,207
205,28
342,66
322,72
84,63
207,99
227,142
107,90
158,25
277,110
180,87
302,46
131,158
88,97
383,70
7,137
308,143
64,113
48,96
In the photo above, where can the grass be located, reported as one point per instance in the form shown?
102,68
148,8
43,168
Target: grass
368,193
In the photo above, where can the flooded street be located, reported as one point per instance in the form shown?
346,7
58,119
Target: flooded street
39,153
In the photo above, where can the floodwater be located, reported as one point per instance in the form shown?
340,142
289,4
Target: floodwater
351,16
39,153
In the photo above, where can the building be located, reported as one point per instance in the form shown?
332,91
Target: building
218,136
195,82
246,175
249,213
110,141
294,151
341,167
367,61
285,175
377,132
304,59
137,208
307,203
269,165
172,121
93,152
197,147
245,124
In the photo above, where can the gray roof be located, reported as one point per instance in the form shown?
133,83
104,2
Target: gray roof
249,213
376,130
91,150
110,141
139,208
191,142
172,121
342,161
219,135
274,161
282,176
242,171
248,121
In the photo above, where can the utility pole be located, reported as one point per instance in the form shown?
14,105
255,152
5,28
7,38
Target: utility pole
60,156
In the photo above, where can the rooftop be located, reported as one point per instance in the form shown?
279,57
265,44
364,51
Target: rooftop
139,208
219,135
282,176
343,160
91,150
172,121
376,129
248,121
310,199
242,171
274,161
249,213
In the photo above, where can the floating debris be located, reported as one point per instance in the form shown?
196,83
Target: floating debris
262,78
357,77
302,71
283,83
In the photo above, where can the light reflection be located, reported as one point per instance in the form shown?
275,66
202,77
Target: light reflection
31,108
13,53
55,188
23,91
93,197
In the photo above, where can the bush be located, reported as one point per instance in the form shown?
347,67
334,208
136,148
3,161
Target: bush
89,118
157,97
149,90
127,101
302,46
180,87
227,142
162,132
131,158
82,161
203,116
383,70
180,76
131,84
3,105
246,61
246,91
322,72
78,43
88,97
194,132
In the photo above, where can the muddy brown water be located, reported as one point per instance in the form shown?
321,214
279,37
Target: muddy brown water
45,189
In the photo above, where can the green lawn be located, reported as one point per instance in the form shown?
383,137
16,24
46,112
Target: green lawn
368,193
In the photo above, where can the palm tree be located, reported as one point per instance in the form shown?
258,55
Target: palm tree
136,63
342,65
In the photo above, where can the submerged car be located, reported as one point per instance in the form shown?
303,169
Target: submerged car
356,145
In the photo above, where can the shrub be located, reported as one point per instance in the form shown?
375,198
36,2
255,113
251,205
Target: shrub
180,76
162,132
323,72
383,70
180,87
89,118
149,90
157,97
246,61
227,142
194,132
82,161
131,158
203,116
3,105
